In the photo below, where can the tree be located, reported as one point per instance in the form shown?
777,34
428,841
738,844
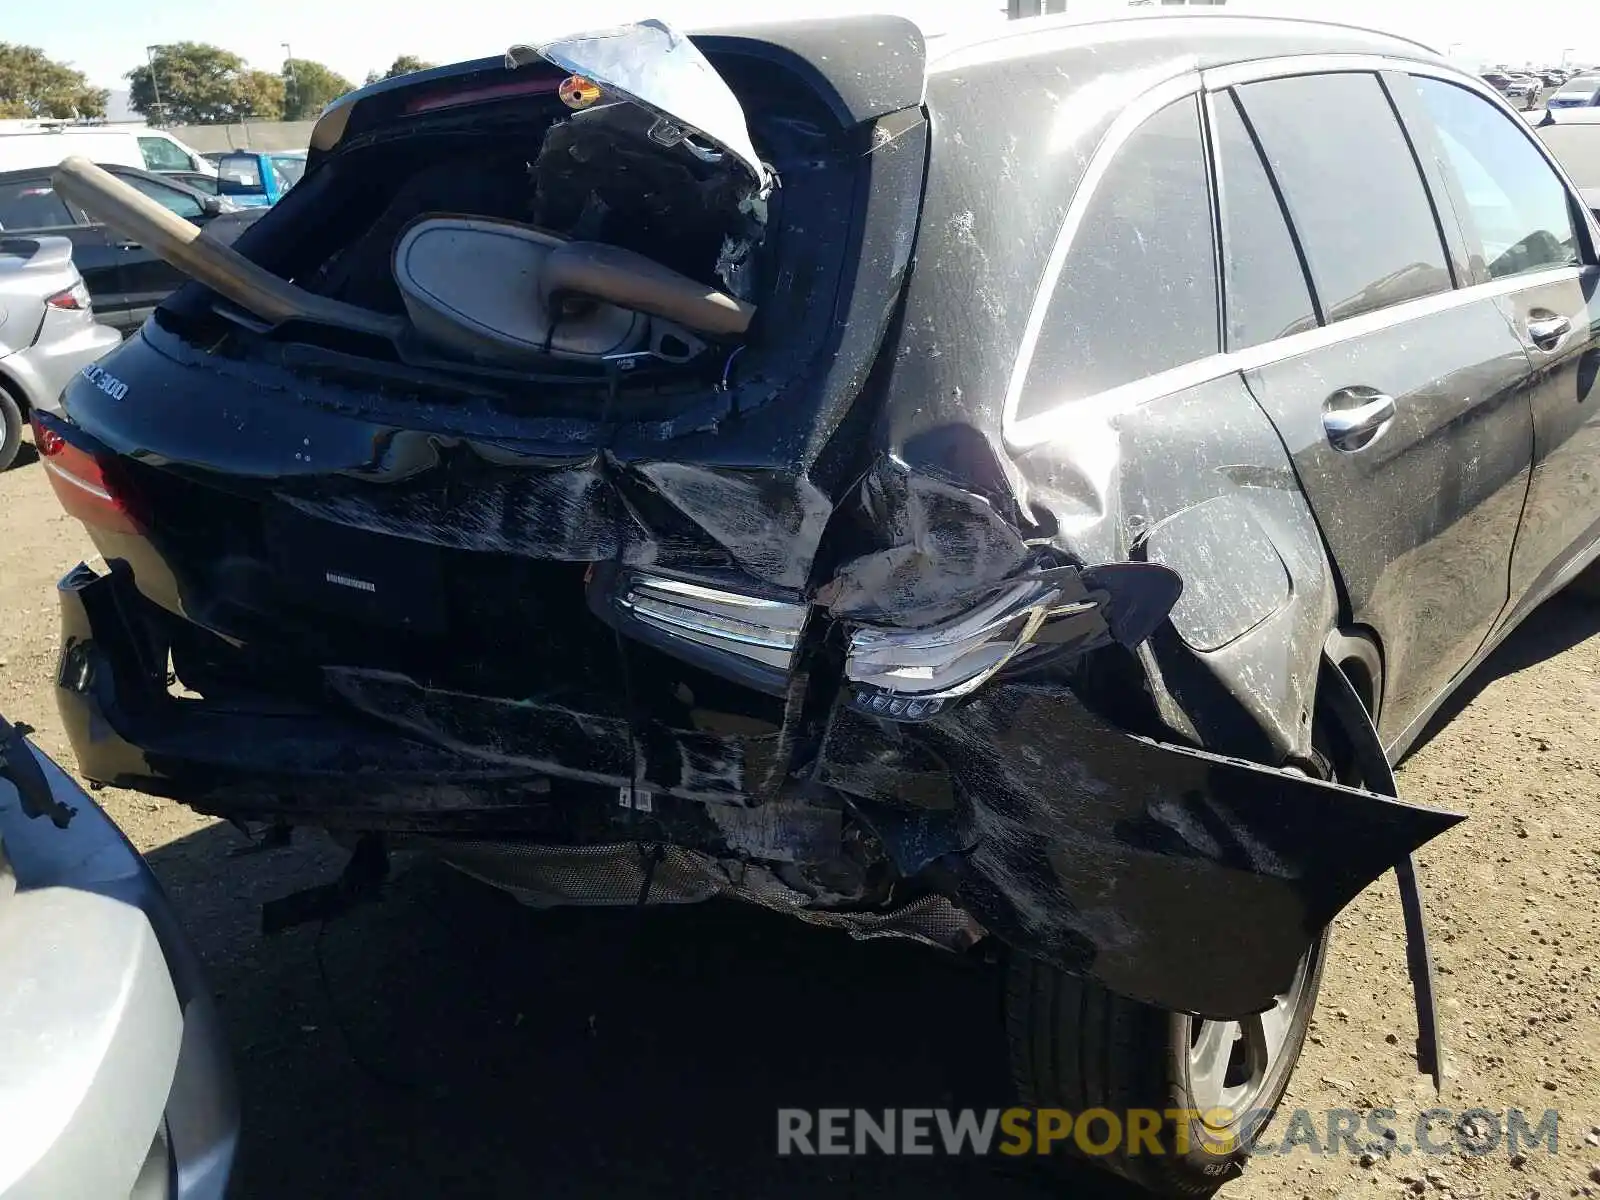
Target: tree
261,95
406,64
308,87
199,84
32,85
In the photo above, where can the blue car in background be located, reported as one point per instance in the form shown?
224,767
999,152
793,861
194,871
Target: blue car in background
258,179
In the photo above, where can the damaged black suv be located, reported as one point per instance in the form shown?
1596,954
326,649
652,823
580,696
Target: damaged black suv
1027,490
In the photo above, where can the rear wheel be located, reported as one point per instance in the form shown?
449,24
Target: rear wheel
1210,1084
1076,1046
10,428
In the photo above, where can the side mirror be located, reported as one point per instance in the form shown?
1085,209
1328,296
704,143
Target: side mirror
212,206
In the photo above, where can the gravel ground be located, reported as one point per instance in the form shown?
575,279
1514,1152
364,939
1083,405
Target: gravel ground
447,1041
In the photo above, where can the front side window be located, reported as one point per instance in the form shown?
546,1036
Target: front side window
162,155
1353,190
1517,207
1137,294
181,203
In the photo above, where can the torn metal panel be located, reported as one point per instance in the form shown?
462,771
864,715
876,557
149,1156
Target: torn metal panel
561,742
545,876
1087,843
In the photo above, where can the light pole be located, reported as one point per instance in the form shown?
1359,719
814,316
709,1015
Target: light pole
155,90
289,82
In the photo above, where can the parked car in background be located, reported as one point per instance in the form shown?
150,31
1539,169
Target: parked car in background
47,332
1575,141
1520,89
257,179
125,279
25,147
117,1081
1582,92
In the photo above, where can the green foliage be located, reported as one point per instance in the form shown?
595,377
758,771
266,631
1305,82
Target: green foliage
200,84
406,64
308,87
32,85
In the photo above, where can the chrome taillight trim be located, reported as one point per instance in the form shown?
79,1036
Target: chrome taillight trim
752,627
916,671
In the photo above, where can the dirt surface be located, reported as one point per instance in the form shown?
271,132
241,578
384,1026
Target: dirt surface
448,1042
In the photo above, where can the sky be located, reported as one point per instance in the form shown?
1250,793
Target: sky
104,38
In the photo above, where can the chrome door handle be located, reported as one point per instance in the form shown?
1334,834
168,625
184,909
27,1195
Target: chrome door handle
1357,426
1548,332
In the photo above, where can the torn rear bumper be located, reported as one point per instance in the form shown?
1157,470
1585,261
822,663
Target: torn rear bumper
1187,880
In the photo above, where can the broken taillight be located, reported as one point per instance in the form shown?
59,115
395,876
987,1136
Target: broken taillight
912,674
87,486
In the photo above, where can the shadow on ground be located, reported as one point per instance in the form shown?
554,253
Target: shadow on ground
454,1043
463,1045
26,454
1557,625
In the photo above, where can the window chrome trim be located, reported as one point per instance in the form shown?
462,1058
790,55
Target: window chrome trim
1027,433
1061,420
1123,127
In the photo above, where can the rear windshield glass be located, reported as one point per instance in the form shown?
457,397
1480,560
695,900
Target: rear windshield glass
239,177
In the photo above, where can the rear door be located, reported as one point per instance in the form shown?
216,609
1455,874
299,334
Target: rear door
1529,240
29,204
1403,411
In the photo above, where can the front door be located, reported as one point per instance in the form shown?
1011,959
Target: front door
1526,235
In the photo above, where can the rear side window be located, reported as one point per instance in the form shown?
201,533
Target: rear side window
1517,207
1265,286
32,204
1137,293
162,155
1352,188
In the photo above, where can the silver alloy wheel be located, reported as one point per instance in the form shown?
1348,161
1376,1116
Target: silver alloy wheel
1230,1062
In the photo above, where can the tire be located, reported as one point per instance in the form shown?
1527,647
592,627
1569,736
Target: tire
1076,1046
10,428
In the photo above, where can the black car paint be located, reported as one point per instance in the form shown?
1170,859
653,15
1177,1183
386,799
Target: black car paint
759,489
125,280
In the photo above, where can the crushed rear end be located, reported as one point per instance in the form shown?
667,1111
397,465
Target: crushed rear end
612,597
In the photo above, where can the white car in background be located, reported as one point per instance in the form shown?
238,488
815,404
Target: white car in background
47,331
28,144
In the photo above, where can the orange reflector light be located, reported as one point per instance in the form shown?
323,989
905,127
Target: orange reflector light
578,92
